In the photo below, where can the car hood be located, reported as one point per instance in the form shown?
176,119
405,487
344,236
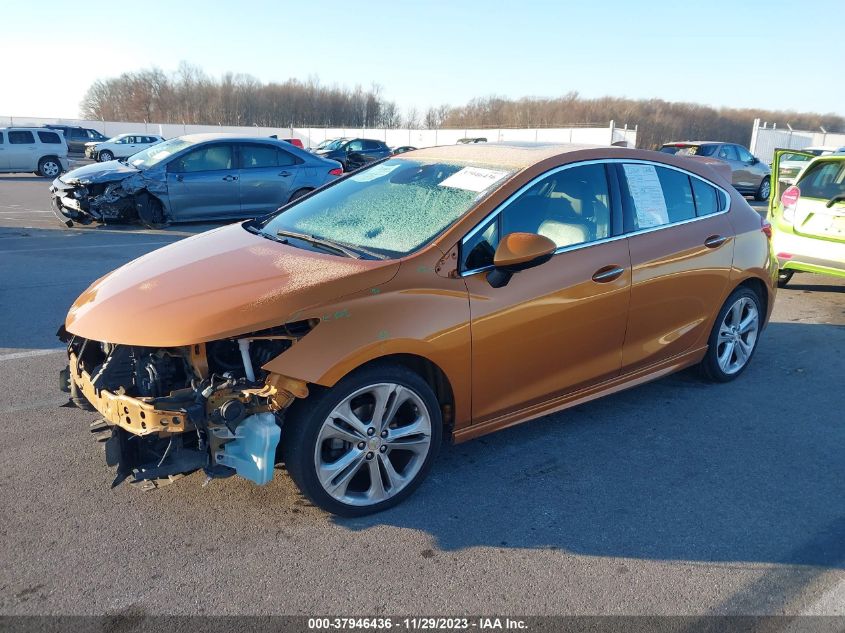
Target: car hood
100,172
214,285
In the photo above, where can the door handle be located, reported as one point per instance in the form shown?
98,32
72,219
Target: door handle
607,273
230,178
715,241
284,173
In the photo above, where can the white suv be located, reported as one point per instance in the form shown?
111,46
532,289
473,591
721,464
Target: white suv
120,146
32,149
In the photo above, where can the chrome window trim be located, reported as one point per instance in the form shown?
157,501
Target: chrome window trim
604,240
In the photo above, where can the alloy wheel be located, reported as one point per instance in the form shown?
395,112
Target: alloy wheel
50,168
737,335
373,444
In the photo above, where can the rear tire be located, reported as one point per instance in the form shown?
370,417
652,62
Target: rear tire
734,337
350,461
764,190
49,167
784,277
299,193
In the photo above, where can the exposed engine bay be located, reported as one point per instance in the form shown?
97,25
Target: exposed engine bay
167,412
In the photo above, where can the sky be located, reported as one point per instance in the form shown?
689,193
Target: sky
422,53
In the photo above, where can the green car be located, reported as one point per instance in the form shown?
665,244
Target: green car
808,217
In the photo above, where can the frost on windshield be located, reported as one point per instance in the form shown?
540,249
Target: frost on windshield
399,210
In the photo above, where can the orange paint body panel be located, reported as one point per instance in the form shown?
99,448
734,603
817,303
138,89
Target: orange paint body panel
555,335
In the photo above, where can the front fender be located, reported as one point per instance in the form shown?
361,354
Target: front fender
416,313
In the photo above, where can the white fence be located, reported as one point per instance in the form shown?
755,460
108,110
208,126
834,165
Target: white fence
765,140
606,135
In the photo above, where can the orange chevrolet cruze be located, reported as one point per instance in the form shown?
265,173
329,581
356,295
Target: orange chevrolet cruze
449,291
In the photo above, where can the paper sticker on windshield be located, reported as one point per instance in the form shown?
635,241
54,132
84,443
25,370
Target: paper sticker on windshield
647,194
474,179
374,172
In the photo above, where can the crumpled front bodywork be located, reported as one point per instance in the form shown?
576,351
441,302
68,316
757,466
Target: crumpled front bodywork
111,192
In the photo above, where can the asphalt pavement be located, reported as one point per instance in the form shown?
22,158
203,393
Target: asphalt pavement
676,497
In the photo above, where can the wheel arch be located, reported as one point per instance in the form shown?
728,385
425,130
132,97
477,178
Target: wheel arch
758,287
429,371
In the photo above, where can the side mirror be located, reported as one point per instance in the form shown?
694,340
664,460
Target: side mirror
519,251
754,160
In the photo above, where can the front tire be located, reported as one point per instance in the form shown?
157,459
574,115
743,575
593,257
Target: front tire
49,167
784,276
105,156
764,190
365,444
734,337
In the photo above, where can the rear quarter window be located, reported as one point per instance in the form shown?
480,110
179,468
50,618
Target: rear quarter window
824,180
656,196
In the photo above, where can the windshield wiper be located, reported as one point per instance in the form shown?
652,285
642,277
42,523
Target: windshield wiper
835,199
323,243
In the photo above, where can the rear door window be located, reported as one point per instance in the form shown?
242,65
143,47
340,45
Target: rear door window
727,152
21,137
655,196
824,180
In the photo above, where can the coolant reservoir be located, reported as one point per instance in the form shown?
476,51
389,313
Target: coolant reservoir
252,452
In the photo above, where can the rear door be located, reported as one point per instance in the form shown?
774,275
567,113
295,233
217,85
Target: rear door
268,177
740,176
681,246
22,150
203,183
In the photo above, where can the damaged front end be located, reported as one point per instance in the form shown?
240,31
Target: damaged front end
167,412
131,198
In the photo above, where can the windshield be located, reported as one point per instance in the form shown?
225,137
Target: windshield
155,154
390,209
326,143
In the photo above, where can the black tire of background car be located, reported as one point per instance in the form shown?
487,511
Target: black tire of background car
44,162
765,183
299,193
784,276
105,156
305,417
151,212
709,366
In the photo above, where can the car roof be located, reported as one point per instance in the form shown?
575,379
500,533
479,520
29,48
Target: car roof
222,136
517,155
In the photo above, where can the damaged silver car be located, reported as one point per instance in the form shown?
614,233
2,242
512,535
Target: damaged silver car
199,177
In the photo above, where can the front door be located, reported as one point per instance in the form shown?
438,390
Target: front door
681,255
204,183
560,326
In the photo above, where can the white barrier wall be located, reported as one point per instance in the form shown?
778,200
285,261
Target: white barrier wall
765,140
606,135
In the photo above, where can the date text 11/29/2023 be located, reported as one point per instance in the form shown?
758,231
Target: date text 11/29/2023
416,624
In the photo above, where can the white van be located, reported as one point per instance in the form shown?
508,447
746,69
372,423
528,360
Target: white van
32,149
